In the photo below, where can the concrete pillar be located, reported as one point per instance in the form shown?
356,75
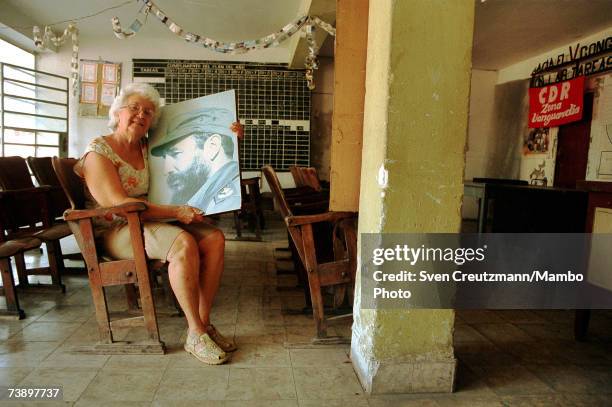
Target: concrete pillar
415,125
349,92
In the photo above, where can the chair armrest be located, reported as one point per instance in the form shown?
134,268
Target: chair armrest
320,217
76,214
24,191
309,208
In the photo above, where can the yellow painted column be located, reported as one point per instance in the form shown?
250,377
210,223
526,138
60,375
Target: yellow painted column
415,125
349,92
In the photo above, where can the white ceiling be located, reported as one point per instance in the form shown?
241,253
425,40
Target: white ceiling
509,31
506,31
224,20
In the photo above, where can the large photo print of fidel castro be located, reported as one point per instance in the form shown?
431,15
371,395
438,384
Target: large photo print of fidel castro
193,155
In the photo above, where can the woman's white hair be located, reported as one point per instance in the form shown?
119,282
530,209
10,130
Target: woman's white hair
142,89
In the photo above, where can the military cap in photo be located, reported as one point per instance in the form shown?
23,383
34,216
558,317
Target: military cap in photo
209,120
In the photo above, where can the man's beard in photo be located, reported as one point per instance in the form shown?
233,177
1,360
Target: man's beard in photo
186,183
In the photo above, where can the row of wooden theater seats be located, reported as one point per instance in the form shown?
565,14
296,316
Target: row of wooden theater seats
30,215
323,245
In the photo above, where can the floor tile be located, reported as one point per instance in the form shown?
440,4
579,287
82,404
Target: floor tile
515,381
204,383
359,401
326,382
47,331
261,355
260,384
13,375
123,385
72,380
320,357
25,354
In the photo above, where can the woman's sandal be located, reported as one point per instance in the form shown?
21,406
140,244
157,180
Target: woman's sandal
224,343
205,349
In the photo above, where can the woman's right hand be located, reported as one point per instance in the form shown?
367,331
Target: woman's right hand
188,214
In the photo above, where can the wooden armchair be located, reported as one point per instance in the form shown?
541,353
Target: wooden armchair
338,273
105,272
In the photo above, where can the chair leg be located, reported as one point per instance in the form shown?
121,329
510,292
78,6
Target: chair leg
10,293
56,264
146,302
237,224
318,309
22,272
99,299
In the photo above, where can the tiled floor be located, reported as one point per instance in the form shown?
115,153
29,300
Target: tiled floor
505,357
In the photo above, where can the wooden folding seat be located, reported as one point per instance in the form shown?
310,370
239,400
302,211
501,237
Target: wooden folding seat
42,169
8,249
337,273
105,272
26,213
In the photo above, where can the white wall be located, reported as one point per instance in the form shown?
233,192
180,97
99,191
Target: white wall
82,130
480,127
599,166
602,112
523,69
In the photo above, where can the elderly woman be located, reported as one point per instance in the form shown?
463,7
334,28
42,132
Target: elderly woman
115,168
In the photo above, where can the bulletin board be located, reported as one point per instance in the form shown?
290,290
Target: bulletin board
273,103
100,82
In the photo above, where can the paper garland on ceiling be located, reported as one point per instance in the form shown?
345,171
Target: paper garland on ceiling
41,42
305,23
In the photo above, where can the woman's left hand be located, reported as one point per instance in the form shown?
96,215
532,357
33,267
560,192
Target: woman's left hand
238,128
188,214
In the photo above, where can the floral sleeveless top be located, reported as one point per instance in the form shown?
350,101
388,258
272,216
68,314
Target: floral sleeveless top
135,182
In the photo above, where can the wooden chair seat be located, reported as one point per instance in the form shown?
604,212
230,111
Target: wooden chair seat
9,249
55,232
43,171
24,213
338,273
103,273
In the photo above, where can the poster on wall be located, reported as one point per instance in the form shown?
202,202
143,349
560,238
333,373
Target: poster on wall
193,155
536,141
605,163
556,104
100,82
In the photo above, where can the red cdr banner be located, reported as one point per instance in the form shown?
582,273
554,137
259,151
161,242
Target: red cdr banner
554,105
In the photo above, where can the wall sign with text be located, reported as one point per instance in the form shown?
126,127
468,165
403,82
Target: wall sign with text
557,104
100,82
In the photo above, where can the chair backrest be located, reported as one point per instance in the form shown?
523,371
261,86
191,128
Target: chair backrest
306,177
277,190
14,173
42,168
73,185
311,178
297,176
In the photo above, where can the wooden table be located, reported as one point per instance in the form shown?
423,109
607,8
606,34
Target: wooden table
528,208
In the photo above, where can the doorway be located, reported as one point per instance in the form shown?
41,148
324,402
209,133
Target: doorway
573,147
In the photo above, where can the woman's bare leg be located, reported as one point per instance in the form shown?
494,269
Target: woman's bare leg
184,270
212,253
